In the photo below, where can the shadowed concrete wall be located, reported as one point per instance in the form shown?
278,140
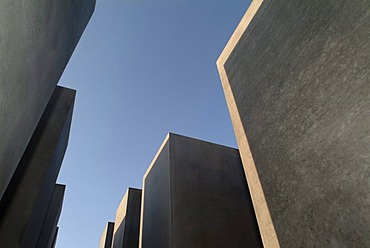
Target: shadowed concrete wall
198,190
155,228
107,236
33,183
49,227
55,238
127,227
37,40
297,84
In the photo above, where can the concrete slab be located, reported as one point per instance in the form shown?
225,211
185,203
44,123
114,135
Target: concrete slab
49,226
33,183
196,195
107,236
37,40
127,227
297,82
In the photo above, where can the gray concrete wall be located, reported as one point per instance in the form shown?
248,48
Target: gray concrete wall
126,230
22,218
107,236
155,230
55,238
300,78
207,201
132,219
49,227
37,40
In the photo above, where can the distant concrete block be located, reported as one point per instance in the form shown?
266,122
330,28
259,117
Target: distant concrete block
196,195
296,76
33,183
127,224
37,40
107,236
49,226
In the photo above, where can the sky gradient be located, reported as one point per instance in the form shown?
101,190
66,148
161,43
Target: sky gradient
141,69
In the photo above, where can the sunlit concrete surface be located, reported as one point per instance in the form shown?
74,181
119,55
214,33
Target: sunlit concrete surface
33,183
127,223
196,195
107,236
296,80
49,227
37,40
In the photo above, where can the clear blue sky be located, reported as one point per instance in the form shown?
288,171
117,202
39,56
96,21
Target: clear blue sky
142,68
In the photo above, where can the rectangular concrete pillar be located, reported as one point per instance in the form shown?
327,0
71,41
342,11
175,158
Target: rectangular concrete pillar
196,195
297,83
49,227
107,236
37,40
127,223
33,183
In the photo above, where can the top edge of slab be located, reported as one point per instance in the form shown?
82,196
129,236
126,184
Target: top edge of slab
172,135
238,32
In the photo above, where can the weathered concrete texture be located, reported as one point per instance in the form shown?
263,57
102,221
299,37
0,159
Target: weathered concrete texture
300,78
22,218
37,40
196,195
49,227
127,227
107,236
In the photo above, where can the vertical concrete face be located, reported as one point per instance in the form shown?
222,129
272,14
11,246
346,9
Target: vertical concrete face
127,223
33,183
37,40
49,227
156,202
107,236
196,195
297,81
55,238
